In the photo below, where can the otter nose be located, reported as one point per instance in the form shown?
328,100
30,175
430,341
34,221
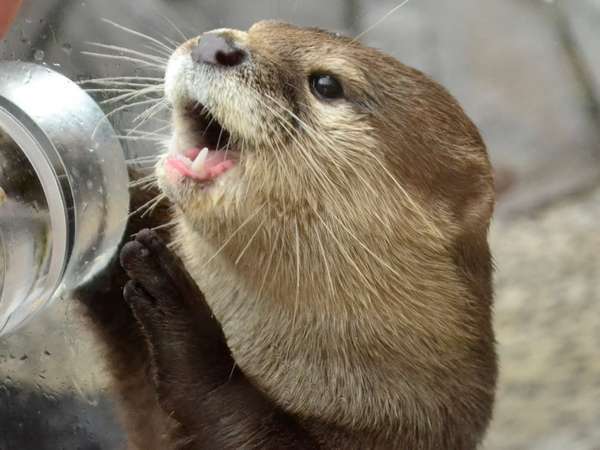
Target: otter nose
218,50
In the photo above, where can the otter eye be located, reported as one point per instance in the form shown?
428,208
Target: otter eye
326,86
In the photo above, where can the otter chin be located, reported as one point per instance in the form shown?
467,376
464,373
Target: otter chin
332,205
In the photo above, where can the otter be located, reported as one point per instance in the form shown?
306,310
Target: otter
331,281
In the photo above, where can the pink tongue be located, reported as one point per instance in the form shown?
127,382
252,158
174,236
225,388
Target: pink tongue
216,163
192,153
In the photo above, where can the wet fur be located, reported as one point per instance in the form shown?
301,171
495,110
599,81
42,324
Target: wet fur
352,285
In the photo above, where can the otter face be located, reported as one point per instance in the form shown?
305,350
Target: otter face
291,134
279,108
294,130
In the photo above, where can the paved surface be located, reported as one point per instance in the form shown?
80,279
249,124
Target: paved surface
548,328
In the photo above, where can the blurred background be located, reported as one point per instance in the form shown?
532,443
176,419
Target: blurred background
526,71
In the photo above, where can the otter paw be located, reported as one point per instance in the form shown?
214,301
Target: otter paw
185,340
148,261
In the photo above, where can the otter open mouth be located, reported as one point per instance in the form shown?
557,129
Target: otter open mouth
213,153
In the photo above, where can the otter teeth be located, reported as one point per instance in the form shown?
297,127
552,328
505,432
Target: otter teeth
198,163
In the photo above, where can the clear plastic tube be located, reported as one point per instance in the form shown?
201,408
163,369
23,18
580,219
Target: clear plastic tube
63,190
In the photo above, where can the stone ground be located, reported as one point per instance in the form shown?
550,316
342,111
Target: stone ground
547,321
507,62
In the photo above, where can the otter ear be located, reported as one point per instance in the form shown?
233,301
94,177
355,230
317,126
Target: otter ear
267,23
477,209
471,246
504,179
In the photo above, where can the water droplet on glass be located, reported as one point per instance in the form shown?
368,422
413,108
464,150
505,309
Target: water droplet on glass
39,55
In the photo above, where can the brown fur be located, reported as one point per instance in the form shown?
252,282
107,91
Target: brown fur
346,255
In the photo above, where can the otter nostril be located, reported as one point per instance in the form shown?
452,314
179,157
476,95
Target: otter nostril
217,50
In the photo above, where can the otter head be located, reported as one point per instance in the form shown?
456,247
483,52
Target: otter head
353,192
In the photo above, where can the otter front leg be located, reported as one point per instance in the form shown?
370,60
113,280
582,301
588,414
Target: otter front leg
195,375
119,336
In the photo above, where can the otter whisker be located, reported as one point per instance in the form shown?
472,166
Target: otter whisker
274,244
279,260
306,155
309,156
141,138
175,27
150,112
324,257
109,90
173,42
380,21
151,208
227,146
143,180
219,138
171,223
153,158
133,132
137,128
210,122
125,58
119,80
151,58
258,228
297,299
158,50
148,184
145,205
333,149
360,273
120,108
232,235
155,131
364,246
136,93
130,105
276,147
139,34
416,208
